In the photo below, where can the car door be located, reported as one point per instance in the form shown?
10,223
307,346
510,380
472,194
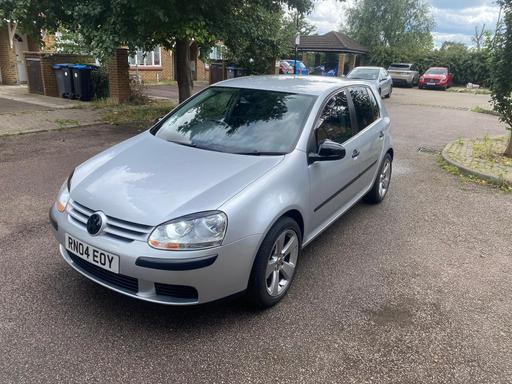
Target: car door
369,137
333,184
385,82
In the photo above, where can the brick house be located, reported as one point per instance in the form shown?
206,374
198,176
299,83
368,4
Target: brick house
12,58
159,65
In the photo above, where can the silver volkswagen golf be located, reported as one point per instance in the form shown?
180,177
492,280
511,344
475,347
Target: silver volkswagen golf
222,194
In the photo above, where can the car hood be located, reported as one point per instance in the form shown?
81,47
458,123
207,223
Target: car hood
147,180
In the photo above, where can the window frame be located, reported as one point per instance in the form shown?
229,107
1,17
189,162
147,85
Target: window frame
153,65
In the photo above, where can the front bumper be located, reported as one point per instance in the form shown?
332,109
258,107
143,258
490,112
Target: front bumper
402,79
426,84
165,277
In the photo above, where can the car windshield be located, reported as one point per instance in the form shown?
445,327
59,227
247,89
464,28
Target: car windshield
436,71
237,120
399,66
364,74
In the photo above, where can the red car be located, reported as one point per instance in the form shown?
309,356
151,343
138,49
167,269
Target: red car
436,77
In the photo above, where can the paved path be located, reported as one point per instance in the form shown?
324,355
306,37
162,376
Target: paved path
415,290
22,112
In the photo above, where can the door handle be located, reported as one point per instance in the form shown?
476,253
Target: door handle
355,153
381,134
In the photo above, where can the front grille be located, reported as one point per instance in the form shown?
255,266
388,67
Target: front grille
431,81
116,228
126,282
176,291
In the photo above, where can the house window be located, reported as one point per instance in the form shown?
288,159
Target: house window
217,52
146,59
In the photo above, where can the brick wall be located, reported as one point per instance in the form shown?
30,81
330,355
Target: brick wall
118,75
166,70
47,59
203,74
7,59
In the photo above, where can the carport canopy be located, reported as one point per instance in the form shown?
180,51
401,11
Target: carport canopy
334,42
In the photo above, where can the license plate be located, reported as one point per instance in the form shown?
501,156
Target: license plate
431,83
93,255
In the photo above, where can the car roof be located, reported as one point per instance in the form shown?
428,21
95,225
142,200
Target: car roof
400,64
308,85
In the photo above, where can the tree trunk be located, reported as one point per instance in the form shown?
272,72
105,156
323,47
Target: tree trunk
183,74
508,151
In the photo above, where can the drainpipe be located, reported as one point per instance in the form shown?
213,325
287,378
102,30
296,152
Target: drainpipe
11,29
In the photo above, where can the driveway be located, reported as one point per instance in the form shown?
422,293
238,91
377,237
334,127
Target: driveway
415,290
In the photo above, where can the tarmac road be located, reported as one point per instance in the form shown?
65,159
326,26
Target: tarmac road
415,290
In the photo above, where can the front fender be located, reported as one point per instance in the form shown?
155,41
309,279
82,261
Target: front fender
255,209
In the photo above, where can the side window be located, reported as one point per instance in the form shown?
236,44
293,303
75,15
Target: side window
335,120
375,104
365,108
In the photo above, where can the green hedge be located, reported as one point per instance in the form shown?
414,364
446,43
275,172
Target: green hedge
467,66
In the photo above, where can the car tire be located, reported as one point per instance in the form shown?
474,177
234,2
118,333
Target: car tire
381,184
271,274
420,86
389,94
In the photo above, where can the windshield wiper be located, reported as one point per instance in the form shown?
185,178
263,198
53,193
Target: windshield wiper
184,143
261,153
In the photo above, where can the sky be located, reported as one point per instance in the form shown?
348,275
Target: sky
455,19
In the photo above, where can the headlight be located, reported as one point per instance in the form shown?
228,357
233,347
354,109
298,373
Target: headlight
197,231
63,196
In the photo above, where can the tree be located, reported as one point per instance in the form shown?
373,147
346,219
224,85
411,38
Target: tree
141,24
479,37
403,24
259,37
501,70
454,46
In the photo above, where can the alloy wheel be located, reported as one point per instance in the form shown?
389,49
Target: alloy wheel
384,178
281,263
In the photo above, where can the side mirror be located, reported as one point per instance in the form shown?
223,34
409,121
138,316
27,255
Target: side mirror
327,151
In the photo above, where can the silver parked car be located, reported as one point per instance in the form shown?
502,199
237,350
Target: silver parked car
377,76
404,74
223,193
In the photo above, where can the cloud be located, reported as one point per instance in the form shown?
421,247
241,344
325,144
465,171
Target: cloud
327,15
455,19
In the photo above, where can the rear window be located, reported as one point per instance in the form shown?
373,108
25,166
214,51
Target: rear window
399,66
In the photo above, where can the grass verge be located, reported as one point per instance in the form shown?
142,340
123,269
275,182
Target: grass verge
464,178
484,110
125,113
474,91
